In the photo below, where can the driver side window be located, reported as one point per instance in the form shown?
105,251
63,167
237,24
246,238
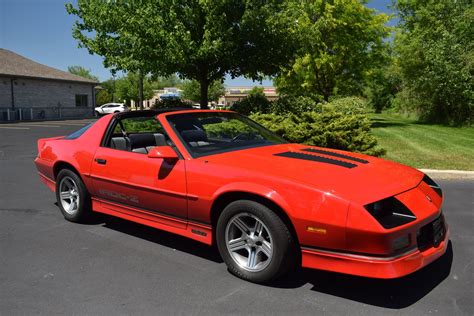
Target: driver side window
138,134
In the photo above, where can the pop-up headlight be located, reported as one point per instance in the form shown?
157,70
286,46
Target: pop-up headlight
390,212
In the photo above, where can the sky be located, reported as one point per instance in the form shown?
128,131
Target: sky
41,30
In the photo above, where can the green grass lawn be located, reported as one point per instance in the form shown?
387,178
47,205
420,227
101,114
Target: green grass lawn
424,146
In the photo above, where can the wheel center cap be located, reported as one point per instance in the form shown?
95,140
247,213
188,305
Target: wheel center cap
252,241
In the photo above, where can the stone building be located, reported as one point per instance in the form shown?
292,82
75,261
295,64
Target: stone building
29,90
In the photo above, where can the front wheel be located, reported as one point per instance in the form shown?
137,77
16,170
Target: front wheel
72,196
96,114
254,242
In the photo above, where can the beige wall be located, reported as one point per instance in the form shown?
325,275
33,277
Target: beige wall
42,93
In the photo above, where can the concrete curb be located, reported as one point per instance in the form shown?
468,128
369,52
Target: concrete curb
449,174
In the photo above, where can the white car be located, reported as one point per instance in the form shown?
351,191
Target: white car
110,108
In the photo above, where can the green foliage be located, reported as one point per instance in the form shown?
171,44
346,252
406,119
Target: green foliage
192,90
102,97
171,103
127,88
82,72
341,41
255,101
347,105
161,82
340,124
382,86
201,40
227,129
295,104
435,55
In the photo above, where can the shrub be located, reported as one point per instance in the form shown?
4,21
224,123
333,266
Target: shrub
337,126
347,105
256,101
294,104
171,103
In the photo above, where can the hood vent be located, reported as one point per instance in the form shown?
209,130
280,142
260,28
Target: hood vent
333,154
303,156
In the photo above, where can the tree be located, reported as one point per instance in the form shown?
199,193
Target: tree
82,72
102,96
200,40
341,40
127,88
161,82
435,55
192,90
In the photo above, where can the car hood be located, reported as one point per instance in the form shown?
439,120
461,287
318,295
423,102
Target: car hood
358,178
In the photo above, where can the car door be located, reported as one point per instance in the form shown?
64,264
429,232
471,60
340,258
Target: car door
132,179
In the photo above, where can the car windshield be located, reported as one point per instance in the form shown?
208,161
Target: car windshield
206,133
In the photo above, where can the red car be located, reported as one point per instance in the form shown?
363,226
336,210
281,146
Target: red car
218,177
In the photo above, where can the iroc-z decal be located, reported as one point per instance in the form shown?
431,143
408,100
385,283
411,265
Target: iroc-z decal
120,196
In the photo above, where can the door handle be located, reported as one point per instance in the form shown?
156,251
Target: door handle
100,161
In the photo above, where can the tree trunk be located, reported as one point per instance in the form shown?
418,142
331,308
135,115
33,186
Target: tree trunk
204,83
140,89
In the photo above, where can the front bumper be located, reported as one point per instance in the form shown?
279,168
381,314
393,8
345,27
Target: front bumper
373,267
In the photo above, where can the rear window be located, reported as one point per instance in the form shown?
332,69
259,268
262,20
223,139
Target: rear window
78,133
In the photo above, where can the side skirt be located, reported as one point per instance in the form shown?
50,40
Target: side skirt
196,231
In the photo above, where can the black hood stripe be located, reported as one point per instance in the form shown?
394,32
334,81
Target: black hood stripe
303,156
331,153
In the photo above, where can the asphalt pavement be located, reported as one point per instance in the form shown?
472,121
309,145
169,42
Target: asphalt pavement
51,266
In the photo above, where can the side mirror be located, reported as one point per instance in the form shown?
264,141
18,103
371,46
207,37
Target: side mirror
163,152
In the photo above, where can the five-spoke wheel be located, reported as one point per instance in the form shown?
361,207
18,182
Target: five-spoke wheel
254,242
249,242
69,195
72,196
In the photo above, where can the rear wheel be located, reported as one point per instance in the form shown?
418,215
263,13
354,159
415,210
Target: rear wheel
254,242
72,196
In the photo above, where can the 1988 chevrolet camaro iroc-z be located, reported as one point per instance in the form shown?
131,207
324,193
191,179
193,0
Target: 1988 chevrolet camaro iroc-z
218,177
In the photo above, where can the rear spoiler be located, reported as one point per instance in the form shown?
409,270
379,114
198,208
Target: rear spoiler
42,142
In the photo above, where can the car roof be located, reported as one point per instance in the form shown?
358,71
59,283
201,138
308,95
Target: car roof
141,113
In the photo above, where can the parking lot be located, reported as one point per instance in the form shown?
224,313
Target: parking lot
51,266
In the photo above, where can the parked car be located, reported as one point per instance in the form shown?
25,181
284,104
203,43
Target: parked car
109,108
219,178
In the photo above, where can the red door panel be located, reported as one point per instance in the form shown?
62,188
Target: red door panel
136,180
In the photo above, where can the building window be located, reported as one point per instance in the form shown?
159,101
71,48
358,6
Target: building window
81,99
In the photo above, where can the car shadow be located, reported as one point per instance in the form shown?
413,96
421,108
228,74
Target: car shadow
162,238
393,293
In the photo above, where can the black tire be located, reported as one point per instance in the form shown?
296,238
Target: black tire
117,112
283,244
97,114
83,212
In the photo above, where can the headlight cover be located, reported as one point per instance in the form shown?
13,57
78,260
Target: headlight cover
433,185
390,212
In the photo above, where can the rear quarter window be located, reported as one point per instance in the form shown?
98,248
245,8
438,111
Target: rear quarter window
78,133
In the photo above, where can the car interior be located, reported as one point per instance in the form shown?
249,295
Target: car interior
138,135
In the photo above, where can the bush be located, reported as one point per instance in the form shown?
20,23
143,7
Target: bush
294,104
340,125
256,101
171,103
347,105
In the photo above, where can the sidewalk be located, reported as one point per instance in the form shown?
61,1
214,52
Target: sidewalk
449,174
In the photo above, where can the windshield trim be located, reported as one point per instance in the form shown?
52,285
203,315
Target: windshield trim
224,150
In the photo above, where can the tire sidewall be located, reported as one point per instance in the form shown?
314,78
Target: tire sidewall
281,240
84,199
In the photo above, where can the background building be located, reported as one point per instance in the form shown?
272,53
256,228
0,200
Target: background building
29,90
234,94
